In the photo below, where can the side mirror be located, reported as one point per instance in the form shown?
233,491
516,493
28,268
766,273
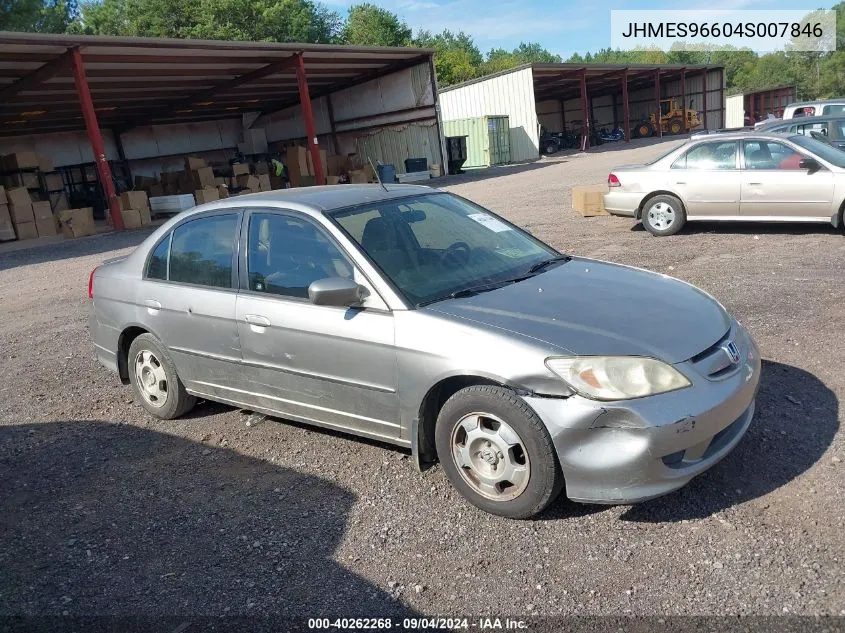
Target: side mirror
336,291
810,164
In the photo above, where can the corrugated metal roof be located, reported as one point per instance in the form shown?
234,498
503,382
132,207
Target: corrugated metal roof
136,80
562,81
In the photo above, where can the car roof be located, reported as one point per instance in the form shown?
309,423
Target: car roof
327,197
749,135
798,104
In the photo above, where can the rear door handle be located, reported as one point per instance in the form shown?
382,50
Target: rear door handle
152,305
755,183
680,182
257,319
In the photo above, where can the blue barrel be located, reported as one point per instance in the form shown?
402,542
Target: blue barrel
386,173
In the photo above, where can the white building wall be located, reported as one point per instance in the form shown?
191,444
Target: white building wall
510,94
735,111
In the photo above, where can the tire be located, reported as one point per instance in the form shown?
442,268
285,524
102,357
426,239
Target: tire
550,148
645,129
502,427
676,125
663,215
158,386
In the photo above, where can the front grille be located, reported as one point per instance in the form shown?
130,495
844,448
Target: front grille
714,362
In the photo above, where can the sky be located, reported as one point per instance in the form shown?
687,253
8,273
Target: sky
562,26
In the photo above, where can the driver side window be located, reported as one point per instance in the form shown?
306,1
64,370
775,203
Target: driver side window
285,254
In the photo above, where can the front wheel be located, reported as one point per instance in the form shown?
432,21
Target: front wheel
155,381
497,452
645,129
663,215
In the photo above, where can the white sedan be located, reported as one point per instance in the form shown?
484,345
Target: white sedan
740,176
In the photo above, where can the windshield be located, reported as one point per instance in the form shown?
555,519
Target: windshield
824,151
437,245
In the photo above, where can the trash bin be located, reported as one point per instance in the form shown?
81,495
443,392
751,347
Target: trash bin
386,173
413,165
456,152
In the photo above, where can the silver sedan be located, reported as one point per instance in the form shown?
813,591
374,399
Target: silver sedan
738,176
418,318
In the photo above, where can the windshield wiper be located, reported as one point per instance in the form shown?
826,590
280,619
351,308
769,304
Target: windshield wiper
474,290
548,262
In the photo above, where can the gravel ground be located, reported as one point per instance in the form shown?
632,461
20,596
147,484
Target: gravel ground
104,510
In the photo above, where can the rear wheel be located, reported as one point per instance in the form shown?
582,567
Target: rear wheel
676,125
645,129
497,452
550,147
663,215
155,381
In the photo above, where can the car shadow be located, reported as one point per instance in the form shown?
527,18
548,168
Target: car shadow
795,422
107,519
752,228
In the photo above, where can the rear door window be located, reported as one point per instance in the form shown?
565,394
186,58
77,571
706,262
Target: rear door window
834,108
202,251
718,155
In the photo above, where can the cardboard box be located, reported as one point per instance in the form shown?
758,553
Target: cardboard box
588,200
77,222
222,191
54,182
3,199
59,201
219,181
26,179
19,196
134,200
26,231
332,180
358,176
155,190
7,231
277,182
264,182
144,182
310,162
21,213
46,227
45,163
240,168
131,218
296,161
20,160
194,162
336,165
202,178
42,211
206,195
249,182
260,168
146,215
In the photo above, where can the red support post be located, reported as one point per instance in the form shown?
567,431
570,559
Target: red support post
657,102
308,115
93,128
684,97
704,96
585,126
626,112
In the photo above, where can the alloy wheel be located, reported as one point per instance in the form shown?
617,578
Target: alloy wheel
661,216
151,378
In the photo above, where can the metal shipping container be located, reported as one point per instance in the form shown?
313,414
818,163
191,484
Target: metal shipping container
488,139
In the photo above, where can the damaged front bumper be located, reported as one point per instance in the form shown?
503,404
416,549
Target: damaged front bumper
634,450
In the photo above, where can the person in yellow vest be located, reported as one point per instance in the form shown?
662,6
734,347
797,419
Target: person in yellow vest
277,168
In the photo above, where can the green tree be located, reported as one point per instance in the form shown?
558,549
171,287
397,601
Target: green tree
242,20
456,56
370,25
51,16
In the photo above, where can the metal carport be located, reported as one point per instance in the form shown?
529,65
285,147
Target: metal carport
59,83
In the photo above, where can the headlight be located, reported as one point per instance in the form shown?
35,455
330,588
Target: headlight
617,377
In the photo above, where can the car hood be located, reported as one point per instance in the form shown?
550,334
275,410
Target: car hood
595,308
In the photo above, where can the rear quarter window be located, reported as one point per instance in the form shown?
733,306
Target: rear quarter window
157,265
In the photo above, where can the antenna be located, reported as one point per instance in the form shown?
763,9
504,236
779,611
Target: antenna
370,160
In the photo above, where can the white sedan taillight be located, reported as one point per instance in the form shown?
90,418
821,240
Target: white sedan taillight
613,181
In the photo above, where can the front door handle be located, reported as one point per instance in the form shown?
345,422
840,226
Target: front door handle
152,305
680,182
755,183
257,319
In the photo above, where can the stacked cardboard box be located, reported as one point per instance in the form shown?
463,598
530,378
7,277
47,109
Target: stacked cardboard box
209,194
202,178
20,160
194,162
588,200
20,210
77,222
45,221
7,229
135,209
